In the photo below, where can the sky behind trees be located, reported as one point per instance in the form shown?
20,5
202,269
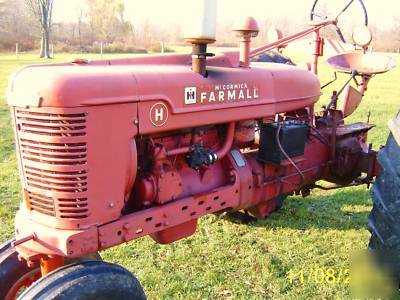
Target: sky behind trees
163,12
138,26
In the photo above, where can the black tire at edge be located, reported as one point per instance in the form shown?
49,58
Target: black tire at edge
384,219
11,268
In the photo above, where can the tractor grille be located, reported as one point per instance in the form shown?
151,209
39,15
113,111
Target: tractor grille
53,153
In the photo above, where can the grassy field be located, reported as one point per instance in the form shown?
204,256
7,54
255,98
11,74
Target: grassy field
234,261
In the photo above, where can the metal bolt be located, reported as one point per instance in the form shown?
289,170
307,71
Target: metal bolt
111,205
136,121
126,226
103,244
31,264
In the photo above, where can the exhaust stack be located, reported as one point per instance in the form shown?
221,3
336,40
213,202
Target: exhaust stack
200,31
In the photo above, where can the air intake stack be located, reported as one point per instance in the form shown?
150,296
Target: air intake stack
200,31
246,29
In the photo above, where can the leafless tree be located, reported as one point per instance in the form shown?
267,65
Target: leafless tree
2,13
42,10
106,19
396,29
16,25
80,15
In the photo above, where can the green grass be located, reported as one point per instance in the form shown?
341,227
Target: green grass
234,261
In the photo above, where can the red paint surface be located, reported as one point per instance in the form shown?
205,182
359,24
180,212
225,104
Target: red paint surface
102,146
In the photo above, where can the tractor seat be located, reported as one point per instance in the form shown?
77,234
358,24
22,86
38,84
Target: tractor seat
367,64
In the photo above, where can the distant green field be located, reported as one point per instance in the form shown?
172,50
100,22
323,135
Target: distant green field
233,261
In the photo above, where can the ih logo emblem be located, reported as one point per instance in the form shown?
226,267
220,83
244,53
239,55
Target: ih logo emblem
190,95
159,114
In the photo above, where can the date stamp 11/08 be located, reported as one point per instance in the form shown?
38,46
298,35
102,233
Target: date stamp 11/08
319,276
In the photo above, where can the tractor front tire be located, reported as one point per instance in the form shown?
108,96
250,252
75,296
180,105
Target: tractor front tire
90,280
15,274
384,220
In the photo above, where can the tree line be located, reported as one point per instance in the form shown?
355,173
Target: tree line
102,23
30,24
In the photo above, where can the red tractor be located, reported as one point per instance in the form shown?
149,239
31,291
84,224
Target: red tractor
113,150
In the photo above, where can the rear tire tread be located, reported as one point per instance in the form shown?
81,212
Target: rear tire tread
384,219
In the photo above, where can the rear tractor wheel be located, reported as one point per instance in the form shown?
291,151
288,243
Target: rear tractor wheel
90,280
384,220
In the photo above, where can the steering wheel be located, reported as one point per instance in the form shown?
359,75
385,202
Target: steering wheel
314,14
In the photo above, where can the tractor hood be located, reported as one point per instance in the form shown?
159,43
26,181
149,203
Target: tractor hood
119,81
